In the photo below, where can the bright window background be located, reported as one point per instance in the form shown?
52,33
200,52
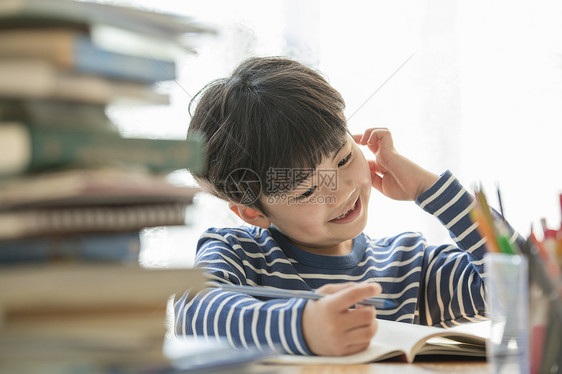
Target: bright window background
481,96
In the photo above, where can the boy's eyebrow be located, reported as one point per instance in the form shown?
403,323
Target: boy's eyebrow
338,151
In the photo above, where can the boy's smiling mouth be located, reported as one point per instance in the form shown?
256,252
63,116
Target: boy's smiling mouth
350,214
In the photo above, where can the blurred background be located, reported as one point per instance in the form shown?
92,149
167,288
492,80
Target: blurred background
480,96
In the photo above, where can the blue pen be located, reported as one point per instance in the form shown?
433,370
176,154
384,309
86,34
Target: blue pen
274,293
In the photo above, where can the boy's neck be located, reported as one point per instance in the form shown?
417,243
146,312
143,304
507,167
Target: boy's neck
341,249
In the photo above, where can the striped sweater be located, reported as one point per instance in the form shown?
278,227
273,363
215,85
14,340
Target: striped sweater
433,285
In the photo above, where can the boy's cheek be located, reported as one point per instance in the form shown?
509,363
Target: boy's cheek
363,172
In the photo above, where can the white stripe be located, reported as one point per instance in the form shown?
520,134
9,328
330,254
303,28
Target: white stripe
255,318
282,331
466,232
241,316
254,240
408,316
460,293
268,326
227,259
460,216
184,313
391,253
209,235
294,332
206,315
389,264
260,256
437,193
437,285
449,203
479,244
483,298
431,262
388,312
397,295
229,320
360,277
252,283
451,286
263,255
196,313
217,315
389,248
271,274
225,273
438,297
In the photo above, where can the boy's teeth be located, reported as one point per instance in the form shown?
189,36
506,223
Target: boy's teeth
346,213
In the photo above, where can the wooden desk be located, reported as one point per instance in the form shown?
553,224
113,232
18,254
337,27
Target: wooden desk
378,368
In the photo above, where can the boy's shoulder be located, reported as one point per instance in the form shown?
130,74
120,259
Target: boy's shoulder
242,235
407,238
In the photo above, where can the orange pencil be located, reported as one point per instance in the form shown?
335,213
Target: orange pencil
482,215
485,230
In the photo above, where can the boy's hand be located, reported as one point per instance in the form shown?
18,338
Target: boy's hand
391,173
331,328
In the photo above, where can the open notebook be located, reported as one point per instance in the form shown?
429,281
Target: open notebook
397,339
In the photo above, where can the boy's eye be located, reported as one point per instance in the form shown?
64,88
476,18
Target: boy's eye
307,193
345,160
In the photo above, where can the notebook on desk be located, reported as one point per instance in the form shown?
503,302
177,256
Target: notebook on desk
407,341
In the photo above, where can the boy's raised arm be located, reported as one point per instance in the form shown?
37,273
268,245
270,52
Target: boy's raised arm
452,285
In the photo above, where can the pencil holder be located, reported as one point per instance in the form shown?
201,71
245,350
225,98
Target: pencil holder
507,296
545,315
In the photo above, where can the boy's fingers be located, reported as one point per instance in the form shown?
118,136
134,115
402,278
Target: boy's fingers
331,288
376,180
358,318
363,333
377,133
359,339
364,138
357,138
350,296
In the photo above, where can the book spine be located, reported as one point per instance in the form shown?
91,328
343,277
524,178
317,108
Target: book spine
120,247
87,58
90,219
36,78
51,148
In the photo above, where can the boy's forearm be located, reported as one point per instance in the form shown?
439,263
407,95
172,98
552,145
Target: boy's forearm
449,201
243,321
425,179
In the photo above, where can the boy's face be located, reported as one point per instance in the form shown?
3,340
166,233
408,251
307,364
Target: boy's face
324,213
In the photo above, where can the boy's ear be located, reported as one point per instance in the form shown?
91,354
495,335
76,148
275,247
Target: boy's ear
250,215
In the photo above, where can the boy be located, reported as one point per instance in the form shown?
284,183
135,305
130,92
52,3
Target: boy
279,152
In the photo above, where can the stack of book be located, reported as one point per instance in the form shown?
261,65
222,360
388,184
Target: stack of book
74,193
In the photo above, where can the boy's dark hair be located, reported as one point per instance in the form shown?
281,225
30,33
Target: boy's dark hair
271,116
